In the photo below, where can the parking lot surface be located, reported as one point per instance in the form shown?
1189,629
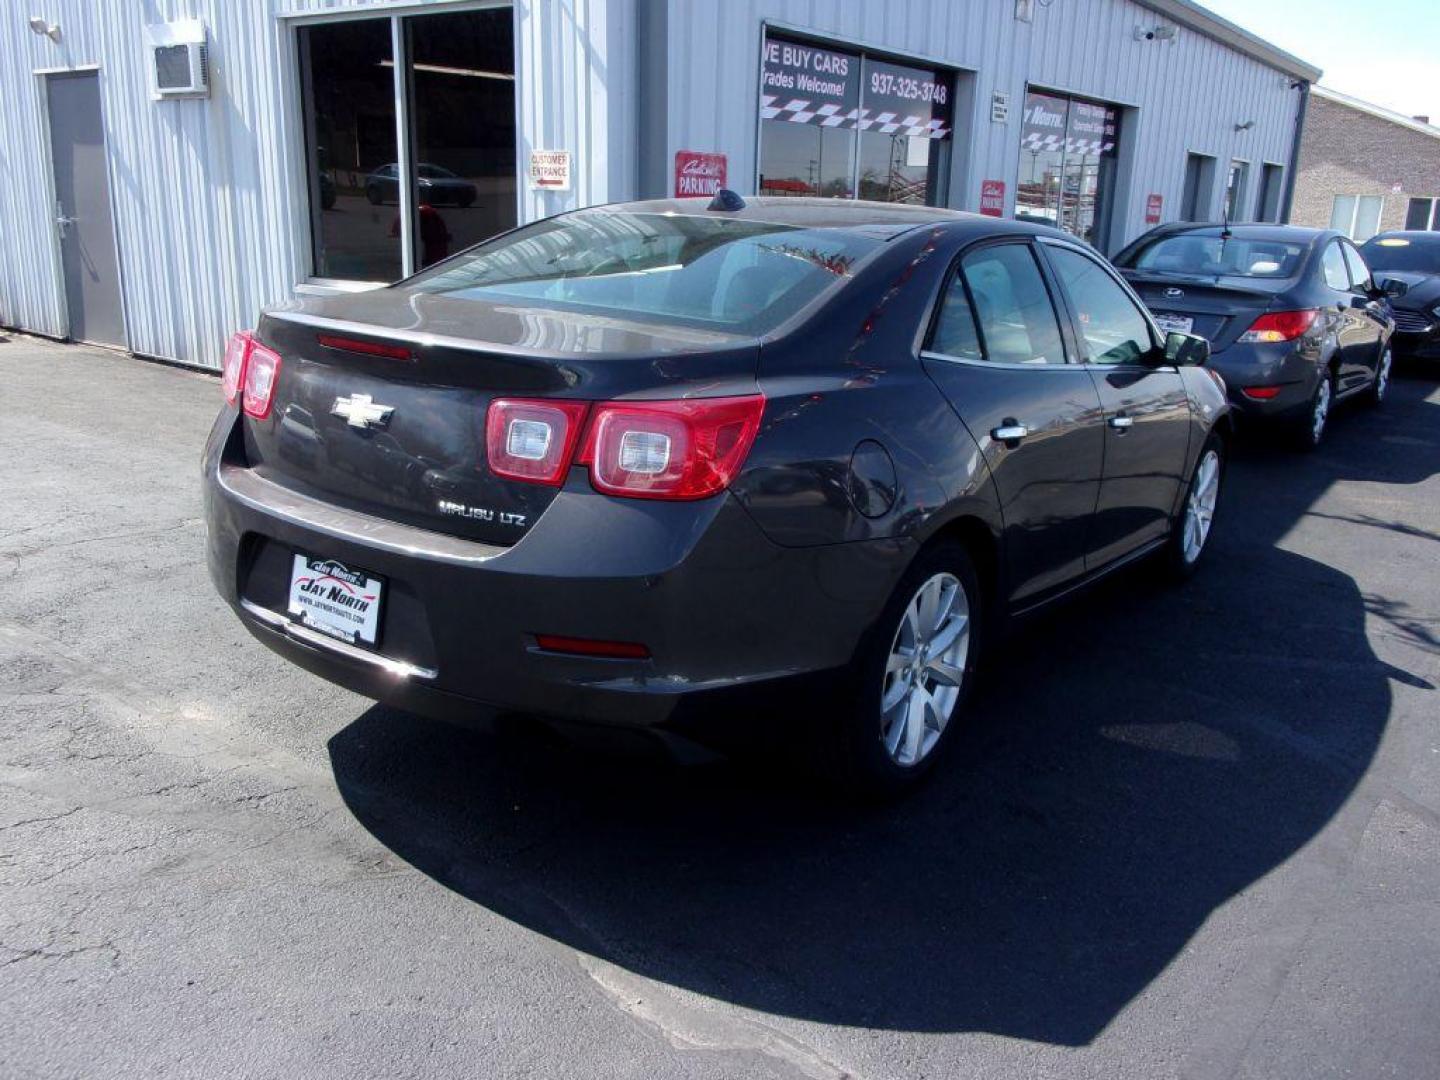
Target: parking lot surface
1194,832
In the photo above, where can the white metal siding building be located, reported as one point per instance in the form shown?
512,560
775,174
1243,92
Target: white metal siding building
227,201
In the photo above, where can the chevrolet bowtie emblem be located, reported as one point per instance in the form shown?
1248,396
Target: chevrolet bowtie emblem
360,411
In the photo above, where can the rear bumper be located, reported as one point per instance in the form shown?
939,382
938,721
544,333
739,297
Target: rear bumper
1295,371
728,616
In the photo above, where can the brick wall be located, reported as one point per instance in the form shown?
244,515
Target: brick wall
1348,152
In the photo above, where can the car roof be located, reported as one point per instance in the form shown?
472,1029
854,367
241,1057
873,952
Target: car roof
1257,230
880,219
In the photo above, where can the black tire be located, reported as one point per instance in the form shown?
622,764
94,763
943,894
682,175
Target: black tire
372,192
856,762
1310,431
1380,387
1180,561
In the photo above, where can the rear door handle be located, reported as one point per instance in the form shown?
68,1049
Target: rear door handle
1122,423
1010,431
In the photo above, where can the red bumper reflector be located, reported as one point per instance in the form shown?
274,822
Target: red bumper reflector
613,650
365,348
1260,393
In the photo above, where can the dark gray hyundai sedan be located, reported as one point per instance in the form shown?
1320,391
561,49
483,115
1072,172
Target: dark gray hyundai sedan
657,462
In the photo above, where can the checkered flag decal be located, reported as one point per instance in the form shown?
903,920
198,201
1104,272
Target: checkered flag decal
802,111
1036,143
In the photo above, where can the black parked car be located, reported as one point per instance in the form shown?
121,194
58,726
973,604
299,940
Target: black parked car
1412,261
1294,320
669,458
435,186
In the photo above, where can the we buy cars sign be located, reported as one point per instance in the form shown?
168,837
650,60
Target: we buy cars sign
699,173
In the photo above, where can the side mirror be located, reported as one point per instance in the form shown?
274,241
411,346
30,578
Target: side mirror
1393,288
1186,350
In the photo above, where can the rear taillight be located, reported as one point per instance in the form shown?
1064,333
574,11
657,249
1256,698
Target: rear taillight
232,370
533,440
262,371
686,449
1280,326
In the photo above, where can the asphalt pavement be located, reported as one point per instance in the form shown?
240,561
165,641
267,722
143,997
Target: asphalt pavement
1193,832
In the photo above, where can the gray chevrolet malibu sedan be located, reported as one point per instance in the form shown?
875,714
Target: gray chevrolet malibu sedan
660,464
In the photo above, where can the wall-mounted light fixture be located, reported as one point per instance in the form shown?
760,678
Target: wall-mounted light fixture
1156,33
1246,126
38,25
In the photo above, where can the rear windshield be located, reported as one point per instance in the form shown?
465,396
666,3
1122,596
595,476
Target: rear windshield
1420,254
1206,253
713,272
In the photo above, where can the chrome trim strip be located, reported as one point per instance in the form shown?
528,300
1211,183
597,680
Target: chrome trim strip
268,497
400,669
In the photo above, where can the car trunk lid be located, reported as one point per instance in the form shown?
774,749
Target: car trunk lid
1220,310
381,399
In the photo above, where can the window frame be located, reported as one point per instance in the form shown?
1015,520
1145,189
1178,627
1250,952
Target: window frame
304,210
1432,219
937,303
1349,231
1157,336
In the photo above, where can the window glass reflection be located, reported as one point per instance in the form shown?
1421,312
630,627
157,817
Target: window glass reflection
462,115
348,107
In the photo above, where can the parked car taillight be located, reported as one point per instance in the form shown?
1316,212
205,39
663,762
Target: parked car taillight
533,440
262,372
232,370
687,449
1280,326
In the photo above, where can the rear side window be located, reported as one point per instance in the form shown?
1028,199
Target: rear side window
1016,320
1332,266
718,273
1111,325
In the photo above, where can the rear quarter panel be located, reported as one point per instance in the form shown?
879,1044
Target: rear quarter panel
858,443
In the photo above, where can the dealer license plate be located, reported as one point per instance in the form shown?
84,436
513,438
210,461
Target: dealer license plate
335,599
1175,324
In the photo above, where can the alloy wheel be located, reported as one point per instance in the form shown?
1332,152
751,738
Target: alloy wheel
1200,505
925,669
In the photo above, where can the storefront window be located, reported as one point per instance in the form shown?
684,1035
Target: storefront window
1067,164
840,125
457,88
349,103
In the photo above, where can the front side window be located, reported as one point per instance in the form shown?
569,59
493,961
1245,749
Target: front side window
1112,327
836,123
1359,272
1067,164
712,273
1332,266
1013,311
